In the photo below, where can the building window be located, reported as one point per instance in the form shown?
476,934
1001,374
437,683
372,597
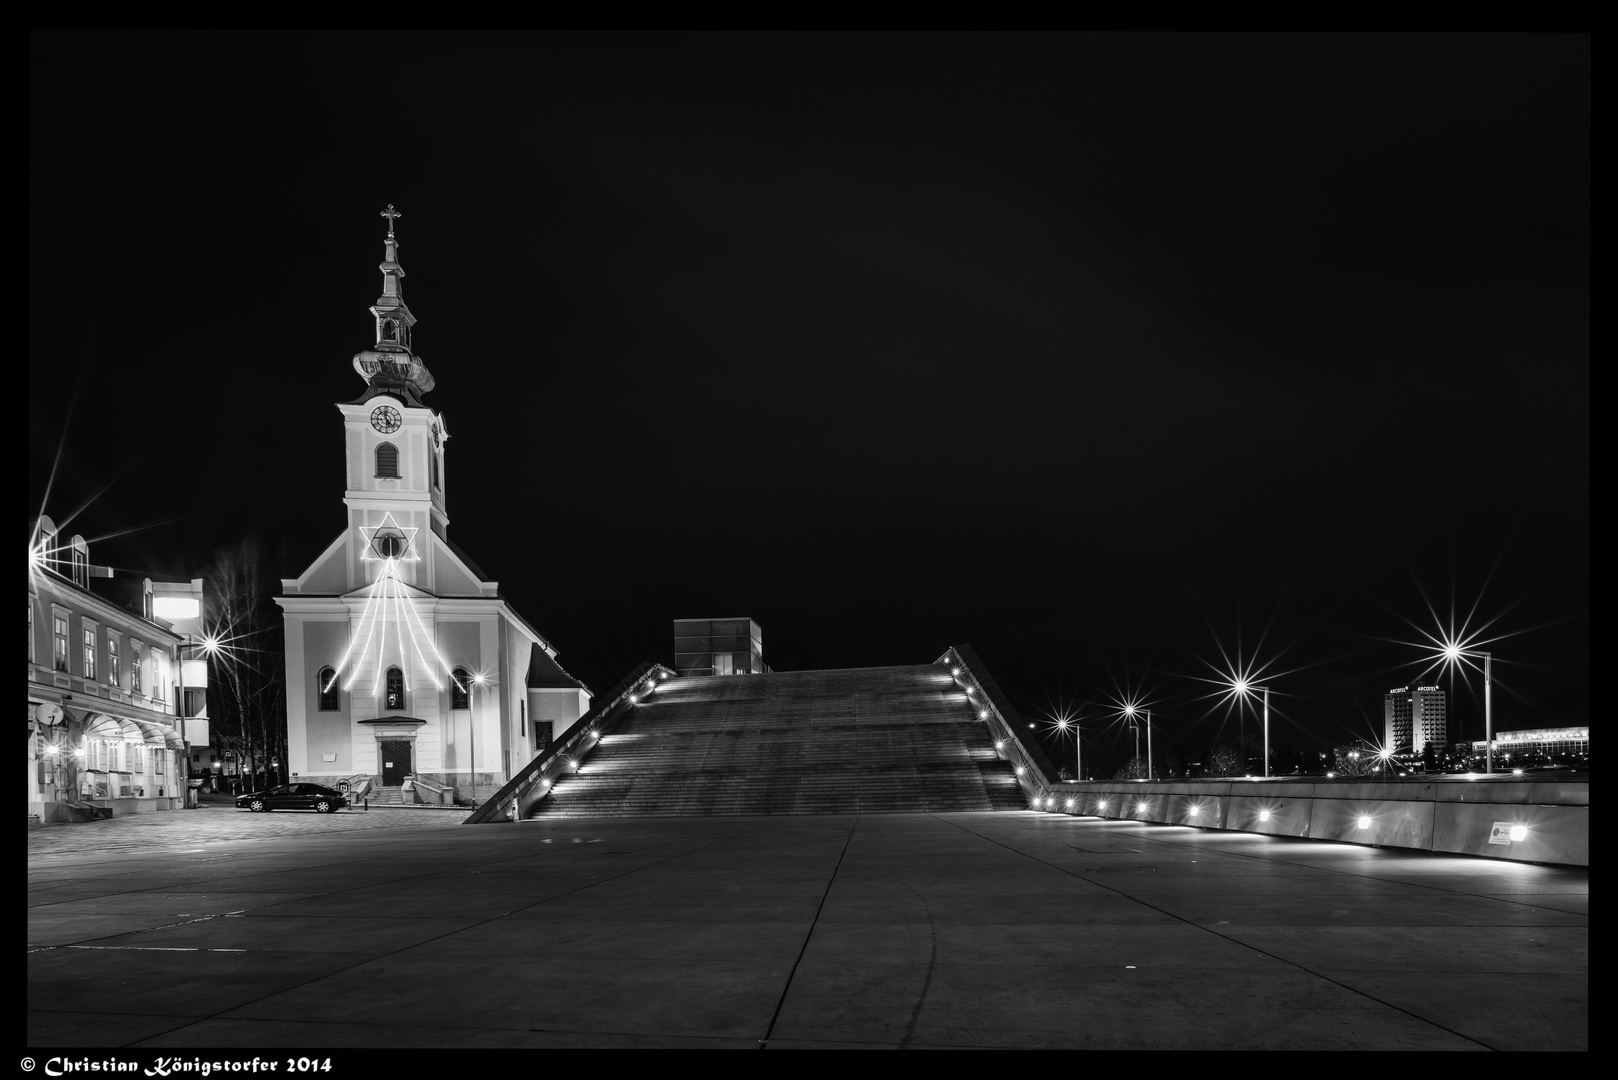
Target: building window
134,667
522,723
387,461
542,733
395,690
331,695
432,465
30,630
114,672
159,677
45,555
460,689
61,642
89,653
81,563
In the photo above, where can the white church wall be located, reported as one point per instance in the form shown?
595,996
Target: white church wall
561,707
330,575
452,578
325,733
358,461
297,678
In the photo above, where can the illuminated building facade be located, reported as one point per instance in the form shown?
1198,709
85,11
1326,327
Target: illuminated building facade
403,659
113,690
1415,717
718,647
1539,745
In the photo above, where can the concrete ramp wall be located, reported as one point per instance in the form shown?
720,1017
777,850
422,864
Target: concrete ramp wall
1524,821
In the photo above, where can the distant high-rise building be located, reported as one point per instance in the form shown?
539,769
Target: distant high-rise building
1414,717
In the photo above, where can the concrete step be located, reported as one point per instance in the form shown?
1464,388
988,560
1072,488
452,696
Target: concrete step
865,740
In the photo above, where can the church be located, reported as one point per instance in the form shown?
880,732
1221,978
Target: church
405,665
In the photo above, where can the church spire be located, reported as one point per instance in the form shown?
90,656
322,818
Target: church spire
389,367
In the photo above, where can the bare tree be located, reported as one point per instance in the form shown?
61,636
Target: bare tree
1355,761
1133,769
1226,760
247,695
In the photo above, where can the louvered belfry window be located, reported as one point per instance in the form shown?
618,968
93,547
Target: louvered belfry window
387,460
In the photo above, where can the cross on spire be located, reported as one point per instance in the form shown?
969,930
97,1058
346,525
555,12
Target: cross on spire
390,213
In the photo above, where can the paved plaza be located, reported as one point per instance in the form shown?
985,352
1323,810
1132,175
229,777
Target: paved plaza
401,927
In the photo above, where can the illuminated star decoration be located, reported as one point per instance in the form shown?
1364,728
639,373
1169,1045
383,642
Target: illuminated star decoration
389,542
389,606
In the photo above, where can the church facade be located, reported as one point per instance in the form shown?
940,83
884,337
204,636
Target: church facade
404,662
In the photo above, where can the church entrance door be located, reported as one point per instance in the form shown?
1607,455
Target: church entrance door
395,762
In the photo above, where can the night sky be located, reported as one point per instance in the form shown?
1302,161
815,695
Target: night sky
1109,355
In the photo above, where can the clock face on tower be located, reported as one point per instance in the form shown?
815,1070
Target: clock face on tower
386,419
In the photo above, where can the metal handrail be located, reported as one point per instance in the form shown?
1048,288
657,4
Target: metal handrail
440,790
359,784
569,750
1035,774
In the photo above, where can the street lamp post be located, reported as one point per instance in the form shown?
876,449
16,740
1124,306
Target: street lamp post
1241,687
1266,690
1129,711
1454,653
209,645
1078,749
472,729
1488,712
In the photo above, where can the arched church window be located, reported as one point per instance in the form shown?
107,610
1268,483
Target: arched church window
387,460
395,690
331,695
460,691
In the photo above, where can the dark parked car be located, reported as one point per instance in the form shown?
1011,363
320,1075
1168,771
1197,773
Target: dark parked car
322,800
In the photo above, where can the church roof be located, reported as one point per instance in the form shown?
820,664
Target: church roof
544,673
465,558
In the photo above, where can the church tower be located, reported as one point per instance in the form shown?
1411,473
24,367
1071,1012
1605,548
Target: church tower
403,660
395,443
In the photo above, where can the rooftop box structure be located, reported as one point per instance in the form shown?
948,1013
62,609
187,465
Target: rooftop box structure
718,647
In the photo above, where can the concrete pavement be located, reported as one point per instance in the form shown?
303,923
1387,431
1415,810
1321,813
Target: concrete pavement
212,928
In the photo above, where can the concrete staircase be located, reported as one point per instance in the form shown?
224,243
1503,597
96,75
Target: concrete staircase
867,740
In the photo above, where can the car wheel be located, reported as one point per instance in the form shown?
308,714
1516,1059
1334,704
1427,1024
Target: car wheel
323,806
259,806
